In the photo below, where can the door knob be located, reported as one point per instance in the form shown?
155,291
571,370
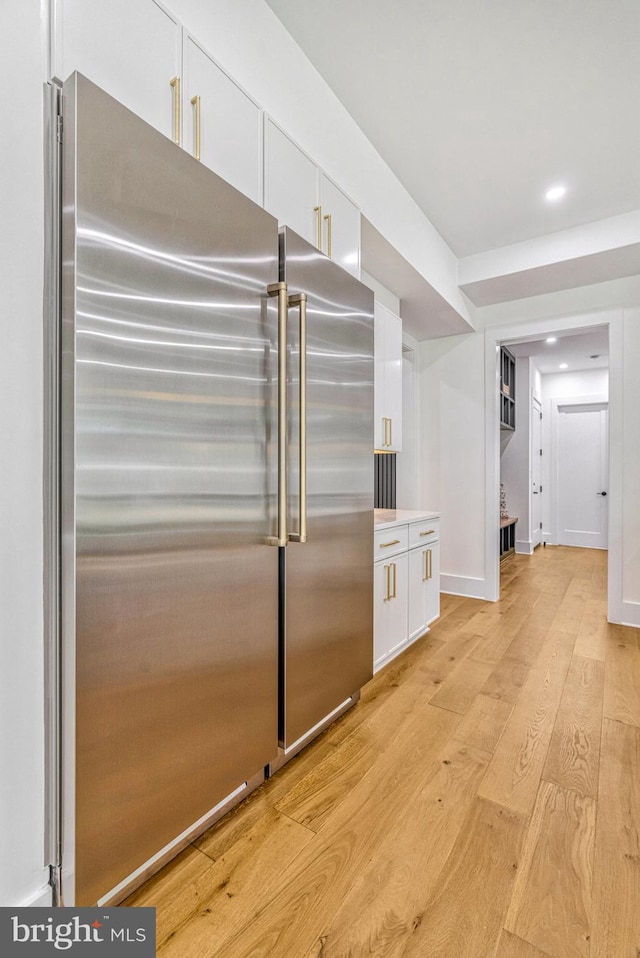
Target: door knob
601,493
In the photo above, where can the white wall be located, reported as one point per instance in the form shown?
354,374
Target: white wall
22,46
452,471
568,385
381,293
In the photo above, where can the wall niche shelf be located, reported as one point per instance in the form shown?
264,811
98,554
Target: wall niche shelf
507,537
507,396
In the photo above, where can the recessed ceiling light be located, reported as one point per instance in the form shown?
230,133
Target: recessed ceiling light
564,365
551,339
555,193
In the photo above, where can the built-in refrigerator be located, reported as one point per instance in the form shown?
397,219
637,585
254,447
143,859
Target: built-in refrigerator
201,469
326,612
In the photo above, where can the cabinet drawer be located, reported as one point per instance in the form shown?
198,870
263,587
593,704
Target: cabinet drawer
389,541
422,532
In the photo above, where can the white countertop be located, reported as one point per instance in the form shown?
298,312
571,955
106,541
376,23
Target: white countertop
383,518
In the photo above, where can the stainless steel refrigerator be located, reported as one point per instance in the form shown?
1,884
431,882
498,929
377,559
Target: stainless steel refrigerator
184,666
326,580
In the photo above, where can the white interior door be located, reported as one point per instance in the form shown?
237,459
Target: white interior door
536,473
582,475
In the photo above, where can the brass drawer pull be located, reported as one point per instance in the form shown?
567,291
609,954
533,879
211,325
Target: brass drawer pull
429,532
385,545
195,102
175,85
318,211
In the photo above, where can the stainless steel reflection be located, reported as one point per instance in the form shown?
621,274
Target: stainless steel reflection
169,470
327,625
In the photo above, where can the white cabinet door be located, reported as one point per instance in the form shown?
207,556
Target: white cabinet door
390,584
393,378
340,226
304,198
388,380
379,320
432,610
130,48
424,588
290,184
230,122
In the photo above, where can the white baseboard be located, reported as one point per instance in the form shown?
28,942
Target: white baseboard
524,547
630,614
39,899
469,587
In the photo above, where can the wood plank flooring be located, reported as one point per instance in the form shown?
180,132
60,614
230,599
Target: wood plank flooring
482,800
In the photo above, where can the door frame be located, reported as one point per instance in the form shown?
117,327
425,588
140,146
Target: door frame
535,409
554,498
533,329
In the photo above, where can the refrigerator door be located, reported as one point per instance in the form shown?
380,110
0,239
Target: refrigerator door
170,615
327,625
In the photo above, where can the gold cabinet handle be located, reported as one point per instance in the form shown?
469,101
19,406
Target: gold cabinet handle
328,219
386,431
300,300
390,421
280,290
429,532
318,211
175,83
195,102
425,574
394,542
387,576
394,593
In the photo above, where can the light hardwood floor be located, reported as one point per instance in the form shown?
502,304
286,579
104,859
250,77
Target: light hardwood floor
482,799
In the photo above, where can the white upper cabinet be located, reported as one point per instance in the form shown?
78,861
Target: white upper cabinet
290,183
130,48
341,226
230,122
388,380
304,198
134,49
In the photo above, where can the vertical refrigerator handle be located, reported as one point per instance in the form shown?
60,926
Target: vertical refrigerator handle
280,290
300,300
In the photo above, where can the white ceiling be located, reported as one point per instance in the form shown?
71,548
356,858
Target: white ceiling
574,349
480,105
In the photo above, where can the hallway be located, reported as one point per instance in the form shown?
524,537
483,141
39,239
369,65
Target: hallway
482,799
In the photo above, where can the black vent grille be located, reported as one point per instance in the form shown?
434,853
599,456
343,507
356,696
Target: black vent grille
384,495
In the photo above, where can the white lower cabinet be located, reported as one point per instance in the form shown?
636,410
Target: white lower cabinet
406,583
424,588
391,587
